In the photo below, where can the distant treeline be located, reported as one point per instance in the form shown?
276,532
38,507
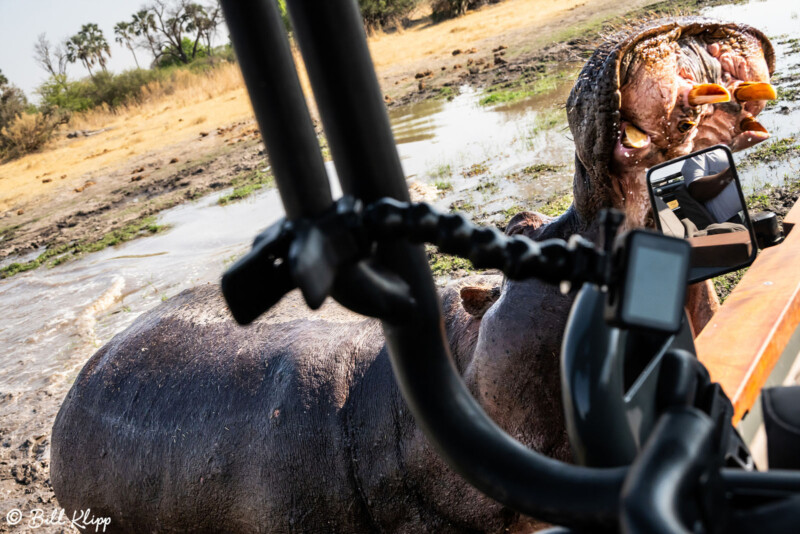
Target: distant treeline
162,36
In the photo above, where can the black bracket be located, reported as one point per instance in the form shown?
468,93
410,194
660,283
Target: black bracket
330,256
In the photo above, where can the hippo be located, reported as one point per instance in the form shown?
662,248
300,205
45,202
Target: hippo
187,422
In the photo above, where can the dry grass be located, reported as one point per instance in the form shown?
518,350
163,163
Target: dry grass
169,115
193,103
427,40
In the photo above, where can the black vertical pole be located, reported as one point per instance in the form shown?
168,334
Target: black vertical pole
334,47
333,43
262,49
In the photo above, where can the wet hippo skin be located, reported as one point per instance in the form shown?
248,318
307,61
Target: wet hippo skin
186,422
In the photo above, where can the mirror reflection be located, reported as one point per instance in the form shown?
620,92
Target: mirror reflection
698,197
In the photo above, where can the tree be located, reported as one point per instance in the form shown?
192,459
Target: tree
12,102
379,13
174,22
125,32
89,46
52,59
144,26
203,20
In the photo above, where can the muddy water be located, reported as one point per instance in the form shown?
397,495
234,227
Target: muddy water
53,319
780,21
455,153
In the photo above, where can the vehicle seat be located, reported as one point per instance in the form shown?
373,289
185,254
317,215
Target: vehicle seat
781,406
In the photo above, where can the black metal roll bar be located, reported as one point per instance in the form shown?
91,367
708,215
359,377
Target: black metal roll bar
333,45
334,48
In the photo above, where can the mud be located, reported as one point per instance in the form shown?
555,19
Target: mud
143,187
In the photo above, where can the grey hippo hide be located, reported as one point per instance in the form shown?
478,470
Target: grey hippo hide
187,422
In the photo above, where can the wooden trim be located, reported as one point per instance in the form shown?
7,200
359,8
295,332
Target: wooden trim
745,338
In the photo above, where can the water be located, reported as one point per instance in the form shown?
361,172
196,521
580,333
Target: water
779,20
54,319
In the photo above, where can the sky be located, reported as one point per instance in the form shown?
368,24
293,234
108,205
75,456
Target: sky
21,22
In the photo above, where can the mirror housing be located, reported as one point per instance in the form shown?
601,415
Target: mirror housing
699,198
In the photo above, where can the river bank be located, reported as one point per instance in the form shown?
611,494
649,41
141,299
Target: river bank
89,192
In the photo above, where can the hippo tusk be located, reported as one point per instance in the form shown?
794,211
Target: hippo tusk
633,137
749,124
749,91
708,93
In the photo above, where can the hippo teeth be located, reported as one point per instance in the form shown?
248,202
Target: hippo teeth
749,91
633,137
708,93
749,124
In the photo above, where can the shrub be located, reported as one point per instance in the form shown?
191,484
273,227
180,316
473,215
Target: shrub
106,88
380,13
443,9
117,89
59,93
27,133
172,60
12,103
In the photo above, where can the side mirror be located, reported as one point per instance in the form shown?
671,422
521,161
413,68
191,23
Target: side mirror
699,198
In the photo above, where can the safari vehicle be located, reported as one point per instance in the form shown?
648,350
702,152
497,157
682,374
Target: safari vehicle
647,406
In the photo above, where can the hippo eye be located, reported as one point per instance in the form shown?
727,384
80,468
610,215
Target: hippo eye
685,126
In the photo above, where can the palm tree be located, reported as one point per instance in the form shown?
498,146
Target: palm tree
125,32
97,43
78,49
89,46
143,24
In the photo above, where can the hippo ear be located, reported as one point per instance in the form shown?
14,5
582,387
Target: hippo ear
477,299
526,223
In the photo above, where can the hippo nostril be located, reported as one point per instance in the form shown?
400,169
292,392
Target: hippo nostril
750,91
708,93
633,137
685,126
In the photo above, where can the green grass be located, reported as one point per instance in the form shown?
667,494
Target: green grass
445,264
446,93
246,184
323,147
604,25
538,169
513,210
68,251
475,170
546,120
758,202
782,148
462,205
441,171
556,205
488,187
547,83
725,283
443,185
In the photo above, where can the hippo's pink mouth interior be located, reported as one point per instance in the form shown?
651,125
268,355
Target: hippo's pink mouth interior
687,93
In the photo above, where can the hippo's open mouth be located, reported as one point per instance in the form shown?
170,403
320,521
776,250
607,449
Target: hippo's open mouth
660,92
692,91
